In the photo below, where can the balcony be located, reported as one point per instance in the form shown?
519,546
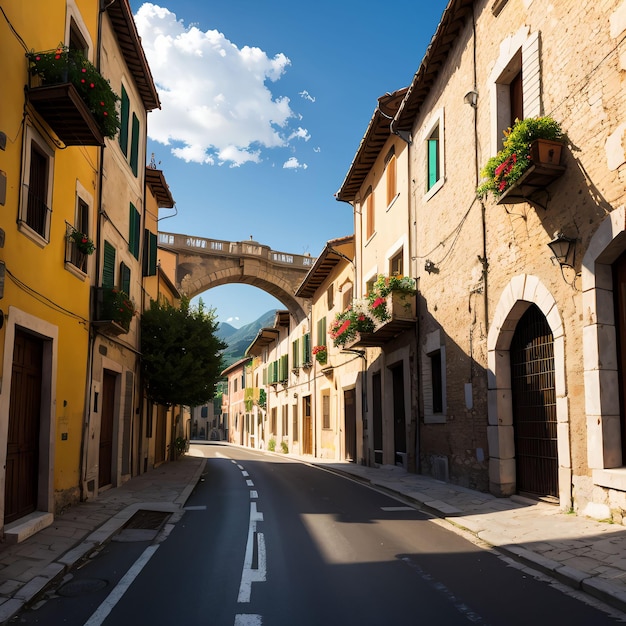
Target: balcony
113,311
400,316
72,97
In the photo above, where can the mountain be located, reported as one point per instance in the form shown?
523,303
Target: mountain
238,339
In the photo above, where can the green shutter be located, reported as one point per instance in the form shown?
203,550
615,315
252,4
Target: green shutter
306,348
321,332
123,136
108,266
134,145
134,233
125,278
433,162
295,353
149,253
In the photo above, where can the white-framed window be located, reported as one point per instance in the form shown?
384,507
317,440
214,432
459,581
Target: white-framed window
433,139
76,32
83,209
326,423
515,84
36,200
434,379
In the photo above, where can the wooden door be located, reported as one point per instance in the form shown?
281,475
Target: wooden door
20,495
105,458
349,402
307,426
534,405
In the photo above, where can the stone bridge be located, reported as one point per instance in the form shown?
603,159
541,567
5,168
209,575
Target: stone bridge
205,263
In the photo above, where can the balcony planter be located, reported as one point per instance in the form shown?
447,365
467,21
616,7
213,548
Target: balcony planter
321,354
347,324
114,310
72,97
529,161
399,307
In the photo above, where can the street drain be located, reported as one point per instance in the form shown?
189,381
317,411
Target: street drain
146,520
81,587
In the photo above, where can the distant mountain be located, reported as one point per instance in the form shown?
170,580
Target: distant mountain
239,339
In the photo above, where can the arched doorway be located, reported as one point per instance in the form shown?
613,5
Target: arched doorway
534,406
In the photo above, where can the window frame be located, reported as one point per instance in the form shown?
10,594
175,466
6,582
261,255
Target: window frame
434,382
391,180
435,125
370,215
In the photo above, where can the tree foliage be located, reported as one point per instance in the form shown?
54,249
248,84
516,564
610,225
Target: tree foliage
181,360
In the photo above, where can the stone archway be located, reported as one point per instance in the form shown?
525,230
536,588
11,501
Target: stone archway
520,293
205,263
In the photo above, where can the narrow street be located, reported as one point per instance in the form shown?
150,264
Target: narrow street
269,540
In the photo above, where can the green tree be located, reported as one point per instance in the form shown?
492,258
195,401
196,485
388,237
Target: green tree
181,360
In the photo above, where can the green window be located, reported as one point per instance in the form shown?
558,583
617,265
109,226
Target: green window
283,368
295,353
306,348
108,266
321,332
134,146
125,110
125,278
134,234
149,253
433,158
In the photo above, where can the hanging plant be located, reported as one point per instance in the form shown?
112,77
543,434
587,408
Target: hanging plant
82,242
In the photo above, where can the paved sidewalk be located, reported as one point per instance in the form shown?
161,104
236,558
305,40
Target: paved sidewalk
27,568
580,552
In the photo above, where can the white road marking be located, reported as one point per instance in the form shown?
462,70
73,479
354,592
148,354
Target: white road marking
120,589
396,508
249,483
244,473
240,466
249,575
248,620
254,494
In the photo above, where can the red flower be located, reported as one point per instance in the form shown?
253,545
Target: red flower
378,302
91,85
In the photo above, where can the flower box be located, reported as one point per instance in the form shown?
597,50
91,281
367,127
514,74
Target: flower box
113,312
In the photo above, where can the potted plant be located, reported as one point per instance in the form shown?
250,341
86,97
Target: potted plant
321,354
531,140
63,65
347,324
118,307
82,242
381,295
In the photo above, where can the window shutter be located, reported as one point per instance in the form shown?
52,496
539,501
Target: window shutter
295,353
125,109
433,162
108,266
134,235
306,348
134,146
321,332
125,278
149,253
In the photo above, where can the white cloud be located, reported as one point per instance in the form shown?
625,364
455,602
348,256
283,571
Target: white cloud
293,164
216,106
306,95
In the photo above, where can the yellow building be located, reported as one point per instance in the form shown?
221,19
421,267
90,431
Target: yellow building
49,185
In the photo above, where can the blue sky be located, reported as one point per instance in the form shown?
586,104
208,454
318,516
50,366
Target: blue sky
264,104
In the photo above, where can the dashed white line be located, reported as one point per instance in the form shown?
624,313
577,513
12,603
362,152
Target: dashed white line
249,483
244,473
248,620
248,574
254,494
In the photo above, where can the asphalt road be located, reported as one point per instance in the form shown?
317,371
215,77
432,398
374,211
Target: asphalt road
266,540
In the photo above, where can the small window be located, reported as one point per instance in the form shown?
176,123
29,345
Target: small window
321,332
433,138
369,285
77,41
330,297
306,348
295,353
294,421
125,278
434,169
326,410
516,98
396,264
346,296
436,381
81,225
370,225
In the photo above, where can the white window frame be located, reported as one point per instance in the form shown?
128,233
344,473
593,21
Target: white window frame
433,344
74,13
435,120
31,135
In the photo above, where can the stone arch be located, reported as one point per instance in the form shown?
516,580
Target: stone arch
519,294
602,406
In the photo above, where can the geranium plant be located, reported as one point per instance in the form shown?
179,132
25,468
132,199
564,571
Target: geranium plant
321,354
505,168
82,242
63,65
118,307
384,285
355,319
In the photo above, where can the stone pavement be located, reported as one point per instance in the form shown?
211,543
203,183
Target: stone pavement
582,553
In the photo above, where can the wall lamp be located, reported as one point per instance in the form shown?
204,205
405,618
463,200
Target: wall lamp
563,249
471,98
430,267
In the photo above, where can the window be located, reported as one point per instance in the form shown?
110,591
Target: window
369,214
149,253
125,278
37,197
396,264
390,175
81,224
273,421
129,125
306,348
434,379
346,296
515,84
369,285
326,410
134,234
108,266
434,147
321,332
283,369
285,420
295,353
294,421
134,146
330,297
124,116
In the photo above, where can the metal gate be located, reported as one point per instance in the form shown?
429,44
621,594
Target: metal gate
534,405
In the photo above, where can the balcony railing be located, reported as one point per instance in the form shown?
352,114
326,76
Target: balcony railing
113,310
